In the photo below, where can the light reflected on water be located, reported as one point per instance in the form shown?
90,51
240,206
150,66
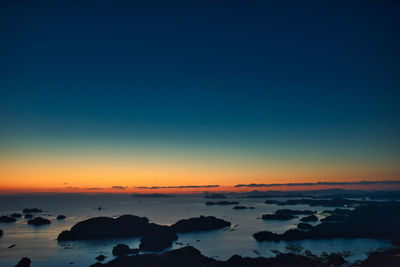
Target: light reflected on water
39,243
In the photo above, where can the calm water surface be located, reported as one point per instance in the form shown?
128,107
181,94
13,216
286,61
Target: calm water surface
41,246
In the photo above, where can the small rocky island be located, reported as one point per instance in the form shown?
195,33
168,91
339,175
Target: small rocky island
202,223
61,217
242,207
215,196
154,237
7,219
155,195
39,221
222,203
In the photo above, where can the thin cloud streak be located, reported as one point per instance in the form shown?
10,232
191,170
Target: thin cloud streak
320,183
176,187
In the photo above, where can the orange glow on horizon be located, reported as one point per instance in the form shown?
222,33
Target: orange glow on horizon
197,190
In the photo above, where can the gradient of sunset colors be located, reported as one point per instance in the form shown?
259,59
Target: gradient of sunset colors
113,95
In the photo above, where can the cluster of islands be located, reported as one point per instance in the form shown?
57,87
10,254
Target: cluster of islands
343,218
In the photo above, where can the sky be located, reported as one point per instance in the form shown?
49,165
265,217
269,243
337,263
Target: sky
96,94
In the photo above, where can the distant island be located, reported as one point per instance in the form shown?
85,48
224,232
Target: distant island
155,195
215,196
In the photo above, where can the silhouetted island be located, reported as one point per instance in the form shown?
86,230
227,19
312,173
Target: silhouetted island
215,196
328,194
242,207
39,221
158,239
16,215
1,232
61,217
106,227
223,203
363,222
310,218
7,219
28,216
202,223
155,195
154,237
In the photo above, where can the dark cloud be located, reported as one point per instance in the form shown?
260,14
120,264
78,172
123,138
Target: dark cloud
94,188
320,183
177,187
119,187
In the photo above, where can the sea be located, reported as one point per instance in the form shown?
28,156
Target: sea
40,245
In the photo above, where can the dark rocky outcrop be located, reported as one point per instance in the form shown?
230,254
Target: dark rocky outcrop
61,217
1,232
185,257
215,196
387,258
31,210
222,203
286,214
363,222
158,239
122,250
201,223
28,216
7,219
333,218
39,221
106,227
16,215
304,226
311,218
191,257
242,207
24,262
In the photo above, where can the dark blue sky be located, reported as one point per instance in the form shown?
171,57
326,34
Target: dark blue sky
298,76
